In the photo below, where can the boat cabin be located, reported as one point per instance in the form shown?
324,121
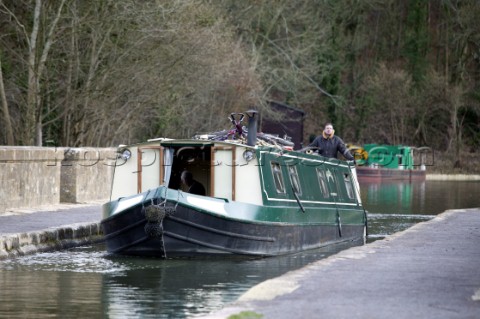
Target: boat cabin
236,172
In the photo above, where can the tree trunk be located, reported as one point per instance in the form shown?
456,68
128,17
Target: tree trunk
39,134
6,113
40,70
32,90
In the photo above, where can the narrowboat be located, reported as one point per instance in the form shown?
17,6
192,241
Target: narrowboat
377,162
261,197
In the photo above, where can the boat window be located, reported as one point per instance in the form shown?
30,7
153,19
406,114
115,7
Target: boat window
322,181
292,172
278,177
348,185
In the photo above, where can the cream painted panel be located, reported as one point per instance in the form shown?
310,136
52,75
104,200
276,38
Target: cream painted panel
150,168
247,180
125,176
222,182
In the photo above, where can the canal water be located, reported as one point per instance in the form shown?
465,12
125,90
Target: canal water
87,282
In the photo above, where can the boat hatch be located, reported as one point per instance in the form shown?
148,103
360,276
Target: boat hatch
193,158
212,166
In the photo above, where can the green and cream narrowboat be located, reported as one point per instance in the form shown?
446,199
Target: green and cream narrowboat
261,199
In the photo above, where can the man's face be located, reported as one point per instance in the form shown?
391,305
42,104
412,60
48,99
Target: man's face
328,129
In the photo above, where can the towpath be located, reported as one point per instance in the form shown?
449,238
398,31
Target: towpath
431,270
27,221
62,226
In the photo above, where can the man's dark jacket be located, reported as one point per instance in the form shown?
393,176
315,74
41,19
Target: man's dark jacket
196,188
329,147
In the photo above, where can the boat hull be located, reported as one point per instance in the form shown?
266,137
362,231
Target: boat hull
191,232
371,174
260,201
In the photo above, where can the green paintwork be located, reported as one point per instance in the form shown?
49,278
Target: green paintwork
389,156
250,213
280,207
308,167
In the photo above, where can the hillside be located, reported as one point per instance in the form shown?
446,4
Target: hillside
100,73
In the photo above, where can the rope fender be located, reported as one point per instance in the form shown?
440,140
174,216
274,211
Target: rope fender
154,214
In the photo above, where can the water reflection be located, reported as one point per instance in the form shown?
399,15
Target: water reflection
395,206
87,282
36,287
186,287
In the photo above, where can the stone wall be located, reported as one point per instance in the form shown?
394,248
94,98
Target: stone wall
12,245
86,174
37,176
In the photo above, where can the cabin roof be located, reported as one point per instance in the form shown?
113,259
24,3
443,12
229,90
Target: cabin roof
180,142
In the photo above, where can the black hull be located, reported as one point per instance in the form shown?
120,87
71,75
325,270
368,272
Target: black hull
189,232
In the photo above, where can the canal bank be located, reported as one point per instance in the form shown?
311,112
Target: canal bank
452,177
430,270
25,232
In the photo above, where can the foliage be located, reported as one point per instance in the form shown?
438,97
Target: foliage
416,39
392,105
122,71
385,71
98,73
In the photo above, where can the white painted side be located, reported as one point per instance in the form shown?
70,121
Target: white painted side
206,204
247,180
222,173
150,168
125,177
127,203
356,185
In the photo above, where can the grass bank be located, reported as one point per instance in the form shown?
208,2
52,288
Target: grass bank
444,163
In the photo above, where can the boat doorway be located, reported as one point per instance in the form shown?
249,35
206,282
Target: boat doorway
195,159
212,166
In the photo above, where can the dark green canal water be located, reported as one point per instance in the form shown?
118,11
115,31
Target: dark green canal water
88,283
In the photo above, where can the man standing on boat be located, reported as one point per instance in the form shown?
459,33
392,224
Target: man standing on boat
328,144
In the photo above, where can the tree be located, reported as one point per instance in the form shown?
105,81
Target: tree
106,72
416,39
38,39
84,72
389,92
5,110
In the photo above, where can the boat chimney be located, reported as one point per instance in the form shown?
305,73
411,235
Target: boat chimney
252,127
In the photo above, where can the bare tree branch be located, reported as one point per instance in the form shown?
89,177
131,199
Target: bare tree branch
6,113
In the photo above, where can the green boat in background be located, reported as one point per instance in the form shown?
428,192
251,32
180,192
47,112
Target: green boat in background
262,198
390,162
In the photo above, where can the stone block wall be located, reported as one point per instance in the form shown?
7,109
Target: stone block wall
38,176
29,176
12,245
86,174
